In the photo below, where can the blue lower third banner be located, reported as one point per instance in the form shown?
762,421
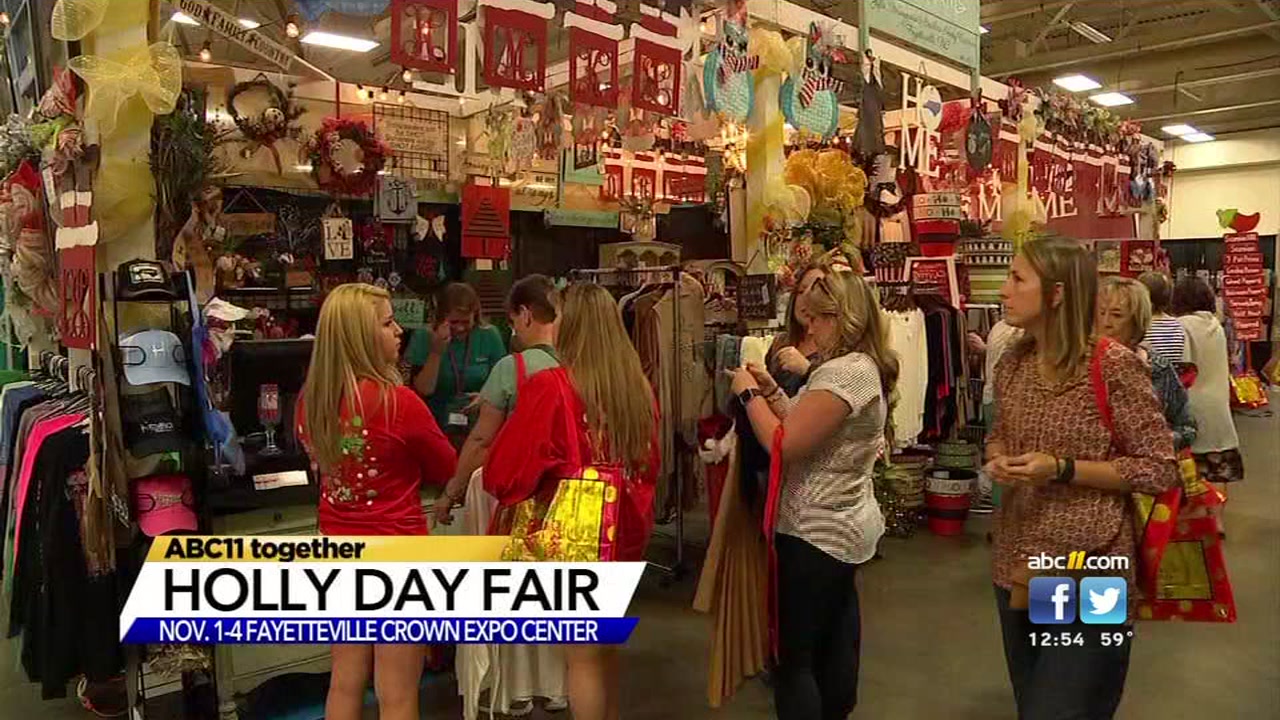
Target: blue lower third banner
444,630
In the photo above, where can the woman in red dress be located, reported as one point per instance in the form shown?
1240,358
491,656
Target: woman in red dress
599,389
374,442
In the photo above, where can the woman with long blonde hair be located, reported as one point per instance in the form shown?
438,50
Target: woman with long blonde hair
374,443
828,521
1077,430
599,391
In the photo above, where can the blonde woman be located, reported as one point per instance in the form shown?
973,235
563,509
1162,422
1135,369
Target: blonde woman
374,443
599,390
1067,475
828,520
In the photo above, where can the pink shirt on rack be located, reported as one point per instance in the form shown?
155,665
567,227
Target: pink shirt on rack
41,430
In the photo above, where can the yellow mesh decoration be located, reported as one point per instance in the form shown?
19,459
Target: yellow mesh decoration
154,73
835,185
775,57
73,19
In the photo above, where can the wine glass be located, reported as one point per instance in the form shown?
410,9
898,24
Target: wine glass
269,415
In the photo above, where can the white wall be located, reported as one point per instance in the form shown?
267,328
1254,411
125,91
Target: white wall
1239,171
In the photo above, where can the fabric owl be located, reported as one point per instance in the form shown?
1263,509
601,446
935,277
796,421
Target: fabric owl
727,73
810,96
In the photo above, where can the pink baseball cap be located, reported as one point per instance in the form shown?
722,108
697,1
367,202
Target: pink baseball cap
164,504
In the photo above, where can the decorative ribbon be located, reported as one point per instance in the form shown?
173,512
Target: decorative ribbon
815,83
73,19
154,73
733,63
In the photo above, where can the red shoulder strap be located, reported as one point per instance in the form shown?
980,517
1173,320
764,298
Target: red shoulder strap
770,524
1099,384
521,373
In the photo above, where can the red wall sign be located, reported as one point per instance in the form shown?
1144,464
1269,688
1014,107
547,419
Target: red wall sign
486,222
424,34
515,49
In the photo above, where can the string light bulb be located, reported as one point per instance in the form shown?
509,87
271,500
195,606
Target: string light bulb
401,98
4,19
382,94
406,75
206,52
292,27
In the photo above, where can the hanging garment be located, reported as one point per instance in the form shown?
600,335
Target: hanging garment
907,337
869,137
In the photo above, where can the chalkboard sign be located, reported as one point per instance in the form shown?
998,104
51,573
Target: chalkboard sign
758,297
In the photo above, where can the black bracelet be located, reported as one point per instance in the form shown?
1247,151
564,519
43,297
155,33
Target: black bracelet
1067,473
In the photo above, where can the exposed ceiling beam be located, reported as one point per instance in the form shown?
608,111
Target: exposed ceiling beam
1209,111
1044,32
1011,15
1124,30
1139,47
1205,82
1271,14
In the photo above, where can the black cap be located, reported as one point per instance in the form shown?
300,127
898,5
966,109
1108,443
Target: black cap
144,280
152,424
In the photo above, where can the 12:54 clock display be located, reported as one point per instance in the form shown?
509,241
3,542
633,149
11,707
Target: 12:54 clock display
1056,639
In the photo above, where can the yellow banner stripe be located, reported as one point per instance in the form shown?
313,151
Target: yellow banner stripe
306,548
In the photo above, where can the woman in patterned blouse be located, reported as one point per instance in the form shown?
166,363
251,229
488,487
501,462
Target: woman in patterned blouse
1124,314
1067,477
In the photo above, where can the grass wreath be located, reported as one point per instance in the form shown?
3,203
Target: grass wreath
327,170
272,124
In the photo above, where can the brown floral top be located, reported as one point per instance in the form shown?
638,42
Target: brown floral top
1034,415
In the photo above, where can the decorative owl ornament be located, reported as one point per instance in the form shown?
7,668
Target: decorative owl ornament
809,97
727,73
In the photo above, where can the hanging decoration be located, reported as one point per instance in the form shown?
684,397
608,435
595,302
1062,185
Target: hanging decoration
397,200
201,241
346,157
593,53
977,139
486,222
515,43
809,97
835,186
658,61
154,73
431,41
636,218
77,323
273,123
727,73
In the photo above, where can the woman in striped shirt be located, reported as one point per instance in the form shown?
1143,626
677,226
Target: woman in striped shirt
1166,337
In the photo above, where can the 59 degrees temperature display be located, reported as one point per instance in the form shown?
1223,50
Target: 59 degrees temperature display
1115,639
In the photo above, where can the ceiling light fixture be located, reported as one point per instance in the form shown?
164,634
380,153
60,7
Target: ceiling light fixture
292,26
183,19
206,52
1178,130
339,42
1076,83
1111,99
1198,137
248,24
1090,32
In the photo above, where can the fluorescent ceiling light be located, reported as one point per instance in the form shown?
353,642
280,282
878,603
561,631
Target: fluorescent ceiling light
1111,99
1076,83
341,42
248,24
984,29
1178,130
184,19
1198,137
1090,32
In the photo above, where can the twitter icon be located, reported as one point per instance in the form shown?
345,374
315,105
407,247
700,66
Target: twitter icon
1104,601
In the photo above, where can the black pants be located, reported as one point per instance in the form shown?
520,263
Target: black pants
1062,683
819,634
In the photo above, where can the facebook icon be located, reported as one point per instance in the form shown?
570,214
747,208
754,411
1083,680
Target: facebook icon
1052,600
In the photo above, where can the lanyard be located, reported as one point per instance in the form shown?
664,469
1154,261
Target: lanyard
460,372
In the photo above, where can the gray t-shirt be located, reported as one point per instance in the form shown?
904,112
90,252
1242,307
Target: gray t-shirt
500,389
827,497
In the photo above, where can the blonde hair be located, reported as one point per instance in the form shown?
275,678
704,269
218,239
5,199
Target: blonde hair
1137,303
862,327
346,351
1069,326
605,370
827,263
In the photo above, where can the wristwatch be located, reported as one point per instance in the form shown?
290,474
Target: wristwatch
745,396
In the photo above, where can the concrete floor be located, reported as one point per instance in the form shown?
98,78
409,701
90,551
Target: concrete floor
931,647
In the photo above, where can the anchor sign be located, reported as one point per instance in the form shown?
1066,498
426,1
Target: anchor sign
397,200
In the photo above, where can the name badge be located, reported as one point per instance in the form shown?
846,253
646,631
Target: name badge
457,420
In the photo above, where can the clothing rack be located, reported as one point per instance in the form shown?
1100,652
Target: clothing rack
661,276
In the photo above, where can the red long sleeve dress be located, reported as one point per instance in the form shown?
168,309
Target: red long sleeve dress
534,450
389,448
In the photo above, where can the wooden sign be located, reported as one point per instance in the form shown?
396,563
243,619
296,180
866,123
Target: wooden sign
397,200
410,312
77,322
409,135
249,224
339,240
228,26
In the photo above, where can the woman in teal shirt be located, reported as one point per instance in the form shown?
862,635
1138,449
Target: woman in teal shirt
452,362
